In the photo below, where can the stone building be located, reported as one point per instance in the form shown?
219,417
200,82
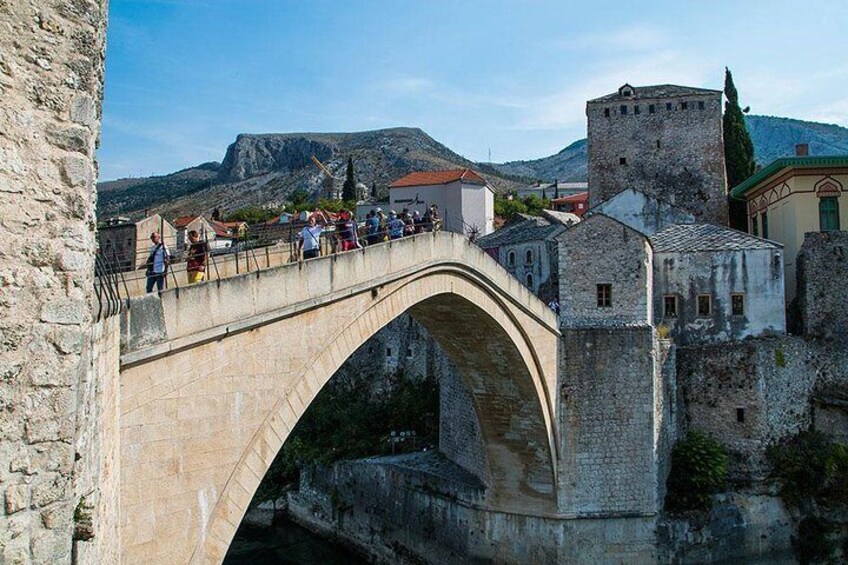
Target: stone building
663,140
526,247
794,196
646,214
715,284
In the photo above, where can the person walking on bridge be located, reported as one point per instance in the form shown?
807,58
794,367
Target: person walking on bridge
309,239
157,263
198,251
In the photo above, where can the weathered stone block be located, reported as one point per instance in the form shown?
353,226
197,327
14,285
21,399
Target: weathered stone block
71,138
17,498
68,340
77,170
48,491
64,311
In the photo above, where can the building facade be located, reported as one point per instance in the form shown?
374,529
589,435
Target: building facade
794,196
665,141
466,201
125,246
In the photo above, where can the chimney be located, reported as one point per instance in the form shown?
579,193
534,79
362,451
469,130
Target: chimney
802,150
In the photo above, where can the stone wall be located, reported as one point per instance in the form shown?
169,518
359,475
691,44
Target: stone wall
51,76
600,250
610,421
398,510
676,155
751,394
822,284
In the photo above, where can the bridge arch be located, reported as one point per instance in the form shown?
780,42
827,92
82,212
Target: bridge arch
508,374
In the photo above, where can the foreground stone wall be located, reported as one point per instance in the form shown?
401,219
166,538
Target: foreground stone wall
822,284
51,76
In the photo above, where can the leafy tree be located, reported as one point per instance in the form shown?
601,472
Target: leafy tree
507,209
298,200
738,150
698,470
253,214
336,205
535,205
349,187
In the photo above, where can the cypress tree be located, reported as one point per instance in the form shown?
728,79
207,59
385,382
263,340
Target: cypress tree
349,187
738,150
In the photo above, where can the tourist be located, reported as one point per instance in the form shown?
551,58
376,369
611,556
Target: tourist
395,226
554,305
309,239
418,221
408,225
157,263
435,219
198,251
372,225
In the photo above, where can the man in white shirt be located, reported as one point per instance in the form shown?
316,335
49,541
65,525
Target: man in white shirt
309,239
157,263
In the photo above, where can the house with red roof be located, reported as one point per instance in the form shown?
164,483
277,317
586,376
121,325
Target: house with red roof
576,204
465,201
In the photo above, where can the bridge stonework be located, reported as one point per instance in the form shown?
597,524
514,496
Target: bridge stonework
214,379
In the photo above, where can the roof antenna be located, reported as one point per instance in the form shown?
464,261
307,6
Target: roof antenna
490,154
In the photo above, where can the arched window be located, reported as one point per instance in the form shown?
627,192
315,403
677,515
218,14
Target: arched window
510,259
528,256
828,214
528,279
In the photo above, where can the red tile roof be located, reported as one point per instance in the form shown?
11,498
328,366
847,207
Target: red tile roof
183,221
425,178
572,198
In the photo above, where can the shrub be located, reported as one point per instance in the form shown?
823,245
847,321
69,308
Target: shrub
779,358
814,542
812,468
698,470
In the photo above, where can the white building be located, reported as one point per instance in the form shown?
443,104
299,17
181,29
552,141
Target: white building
465,200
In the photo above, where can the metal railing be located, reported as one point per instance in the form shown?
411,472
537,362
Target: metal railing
117,280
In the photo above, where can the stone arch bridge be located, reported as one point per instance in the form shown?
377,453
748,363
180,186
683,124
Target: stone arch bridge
215,377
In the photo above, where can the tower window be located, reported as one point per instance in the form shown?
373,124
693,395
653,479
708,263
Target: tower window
737,304
700,104
510,259
651,108
764,221
606,112
658,144
684,105
388,352
623,110
604,293
755,228
668,106
528,279
705,305
637,110
828,214
528,256
740,415
408,352
622,160
669,306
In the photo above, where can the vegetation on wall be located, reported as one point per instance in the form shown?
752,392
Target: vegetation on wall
346,421
698,470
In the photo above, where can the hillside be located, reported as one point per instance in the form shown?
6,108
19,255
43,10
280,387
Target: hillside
264,168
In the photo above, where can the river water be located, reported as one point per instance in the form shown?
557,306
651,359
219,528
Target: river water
285,543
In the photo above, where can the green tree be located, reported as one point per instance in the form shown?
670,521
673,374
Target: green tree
698,470
349,187
738,150
508,208
298,200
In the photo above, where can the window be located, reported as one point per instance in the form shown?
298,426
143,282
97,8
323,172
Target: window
658,144
528,256
652,109
737,304
528,279
764,219
388,352
668,106
623,110
604,295
606,112
637,110
408,352
622,160
510,259
828,214
684,105
740,415
669,306
705,305
755,228
700,104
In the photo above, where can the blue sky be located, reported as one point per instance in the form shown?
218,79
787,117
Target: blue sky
184,77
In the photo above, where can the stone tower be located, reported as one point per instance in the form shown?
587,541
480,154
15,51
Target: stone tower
665,141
